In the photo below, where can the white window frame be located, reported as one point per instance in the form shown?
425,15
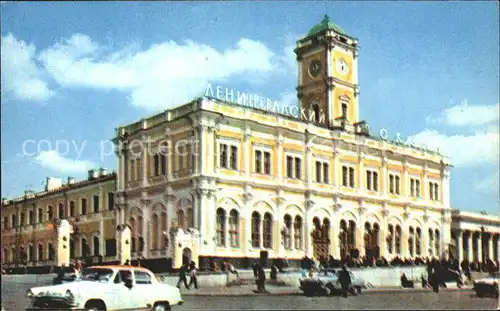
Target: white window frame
348,165
396,190
294,155
324,161
263,149
372,170
416,194
229,142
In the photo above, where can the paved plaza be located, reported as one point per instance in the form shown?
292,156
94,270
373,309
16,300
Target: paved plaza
288,298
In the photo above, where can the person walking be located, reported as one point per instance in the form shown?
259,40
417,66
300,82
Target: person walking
255,268
345,280
261,287
182,277
192,275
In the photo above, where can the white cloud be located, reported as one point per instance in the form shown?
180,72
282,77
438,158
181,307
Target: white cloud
52,160
289,98
21,77
463,150
159,77
490,184
464,114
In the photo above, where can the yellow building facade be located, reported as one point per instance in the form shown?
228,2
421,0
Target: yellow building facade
29,223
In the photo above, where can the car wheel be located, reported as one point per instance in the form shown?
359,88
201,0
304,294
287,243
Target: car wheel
95,305
161,306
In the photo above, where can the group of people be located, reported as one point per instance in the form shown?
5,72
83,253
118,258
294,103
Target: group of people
184,271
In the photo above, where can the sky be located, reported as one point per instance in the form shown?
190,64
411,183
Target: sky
72,72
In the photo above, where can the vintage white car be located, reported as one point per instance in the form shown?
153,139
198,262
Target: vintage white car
107,288
325,282
488,286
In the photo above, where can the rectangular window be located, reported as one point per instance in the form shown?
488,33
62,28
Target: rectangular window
318,171
13,221
181,159
22,220
163,164
436,192
258,161
375,181
72,209
412,187
267,163
40,215
234,157
417,188
325,173
345,176
84,206
96,203
6,223
298,168
131,170
31,216
431,190
397,185
351,177
289,166
369,180
391,183
111,201
156,164
223,155
138,169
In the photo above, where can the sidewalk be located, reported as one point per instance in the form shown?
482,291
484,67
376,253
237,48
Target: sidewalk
247,290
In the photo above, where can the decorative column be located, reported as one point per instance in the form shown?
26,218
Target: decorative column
145,226
146,145
279,223
382,239
196,209
170,154
309,203
490,247
405,182
308,161
336,168
479,248
247,198
424,249
459,239
247,151
361,172
470,248
207,200
360,245
335,242
279,147
384,176
404,234
425,184
211,156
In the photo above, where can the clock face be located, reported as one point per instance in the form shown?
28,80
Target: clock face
342,66
315,68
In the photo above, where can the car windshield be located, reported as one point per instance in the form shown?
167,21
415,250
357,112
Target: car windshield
95,275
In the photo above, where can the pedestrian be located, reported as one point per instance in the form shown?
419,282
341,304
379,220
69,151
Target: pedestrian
344,280
255,268
230,268
262,280
192,275
274,272
182,277
127,262
59,278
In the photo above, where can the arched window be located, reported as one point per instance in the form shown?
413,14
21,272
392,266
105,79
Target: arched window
71,248
61,210
390,236
221,227
12,254
411,238
351,236
398,240
31,253
374,234
255,229
344,110
325,229
96,246
164,232
418,241
50,213
132,234
437,242
40,252
52,253
84,248
367,235
180,218
234,228
268,230
287,232
154,236
297,234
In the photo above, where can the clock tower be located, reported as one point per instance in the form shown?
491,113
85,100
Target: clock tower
328,76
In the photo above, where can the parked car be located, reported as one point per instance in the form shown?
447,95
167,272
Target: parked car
107,288
325,282
487,286
67,275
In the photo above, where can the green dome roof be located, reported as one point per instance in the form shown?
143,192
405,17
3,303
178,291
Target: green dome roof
325,24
